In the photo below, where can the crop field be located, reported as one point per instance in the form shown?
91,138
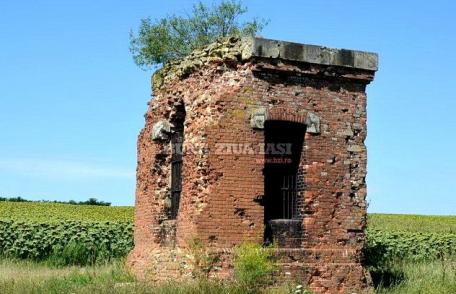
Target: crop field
37,211
412,223
43,230
62,248
409,237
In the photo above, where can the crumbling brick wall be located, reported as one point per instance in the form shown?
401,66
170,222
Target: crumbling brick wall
230,91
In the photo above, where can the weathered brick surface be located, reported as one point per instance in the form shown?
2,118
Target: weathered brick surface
219,200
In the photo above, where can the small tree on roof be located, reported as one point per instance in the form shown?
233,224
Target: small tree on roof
174,36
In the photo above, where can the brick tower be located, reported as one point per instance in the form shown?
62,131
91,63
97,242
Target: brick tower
262,141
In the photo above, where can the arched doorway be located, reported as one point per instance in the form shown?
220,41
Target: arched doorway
283,148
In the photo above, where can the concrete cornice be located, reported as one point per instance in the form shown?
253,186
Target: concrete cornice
267,48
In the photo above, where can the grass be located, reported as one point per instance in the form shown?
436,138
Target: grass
420,278
29,277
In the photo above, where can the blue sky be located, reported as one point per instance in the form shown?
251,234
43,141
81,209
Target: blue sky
72,100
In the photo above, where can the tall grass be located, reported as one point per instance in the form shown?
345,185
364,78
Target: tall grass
437,277
18,276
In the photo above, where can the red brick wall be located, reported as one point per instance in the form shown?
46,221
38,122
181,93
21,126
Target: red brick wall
219,190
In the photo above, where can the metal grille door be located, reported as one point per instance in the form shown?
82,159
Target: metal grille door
289,194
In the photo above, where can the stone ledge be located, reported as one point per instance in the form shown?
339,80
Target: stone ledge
268,48
240,50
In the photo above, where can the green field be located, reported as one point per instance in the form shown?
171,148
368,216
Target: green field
412,223
41,230
38,211
62,248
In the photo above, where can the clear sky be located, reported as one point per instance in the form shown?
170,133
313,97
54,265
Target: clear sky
72,100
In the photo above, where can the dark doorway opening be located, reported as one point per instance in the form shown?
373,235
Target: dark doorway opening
177,140
283,148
